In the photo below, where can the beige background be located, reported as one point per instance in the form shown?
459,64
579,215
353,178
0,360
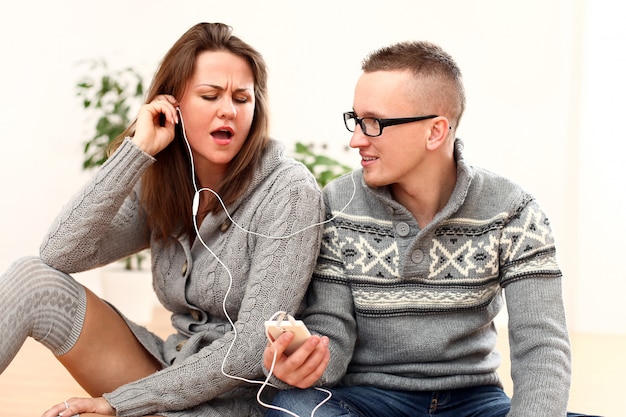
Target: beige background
544,80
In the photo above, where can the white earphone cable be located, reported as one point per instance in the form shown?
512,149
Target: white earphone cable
195,207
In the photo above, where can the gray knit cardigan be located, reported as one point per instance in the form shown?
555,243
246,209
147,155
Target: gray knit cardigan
105,222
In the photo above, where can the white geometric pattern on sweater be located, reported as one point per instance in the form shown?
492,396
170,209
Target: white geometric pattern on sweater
471,258
373,299
370,257
366,256
516,239
331,242
543,263
442,258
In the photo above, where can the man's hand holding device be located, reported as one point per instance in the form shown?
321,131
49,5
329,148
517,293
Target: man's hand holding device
304,357
286,323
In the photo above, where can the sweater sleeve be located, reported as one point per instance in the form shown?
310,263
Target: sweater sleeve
539,341
330,305
104,221
331,314
280,271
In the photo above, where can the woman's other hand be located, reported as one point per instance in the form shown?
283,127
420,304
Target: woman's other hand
75,406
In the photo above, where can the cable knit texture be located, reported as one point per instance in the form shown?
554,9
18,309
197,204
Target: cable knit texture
105,222
40,302
413,309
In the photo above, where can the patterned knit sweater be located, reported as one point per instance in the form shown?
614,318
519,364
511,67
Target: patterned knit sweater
413,309
105,222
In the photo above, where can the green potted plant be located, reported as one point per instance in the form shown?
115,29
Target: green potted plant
323,167
110,98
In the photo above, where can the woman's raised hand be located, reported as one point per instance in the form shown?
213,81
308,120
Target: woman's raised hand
156,120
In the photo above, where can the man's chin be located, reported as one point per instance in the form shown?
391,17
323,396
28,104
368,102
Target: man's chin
372,181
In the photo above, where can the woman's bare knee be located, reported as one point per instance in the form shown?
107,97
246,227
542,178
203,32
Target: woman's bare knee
107,353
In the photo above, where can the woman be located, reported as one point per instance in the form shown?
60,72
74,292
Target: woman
200,141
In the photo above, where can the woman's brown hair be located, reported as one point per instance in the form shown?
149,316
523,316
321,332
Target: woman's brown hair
167,189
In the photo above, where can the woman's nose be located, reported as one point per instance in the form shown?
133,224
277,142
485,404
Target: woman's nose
227,110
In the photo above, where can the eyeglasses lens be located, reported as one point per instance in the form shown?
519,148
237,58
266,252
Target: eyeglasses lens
350,121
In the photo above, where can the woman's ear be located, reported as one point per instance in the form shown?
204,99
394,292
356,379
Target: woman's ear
439,131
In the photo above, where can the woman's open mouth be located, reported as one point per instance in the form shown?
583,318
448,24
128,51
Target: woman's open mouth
222,136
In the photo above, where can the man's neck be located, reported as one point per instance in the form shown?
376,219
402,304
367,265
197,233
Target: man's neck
427,195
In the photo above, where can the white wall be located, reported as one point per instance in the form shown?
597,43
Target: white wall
602,192
544,102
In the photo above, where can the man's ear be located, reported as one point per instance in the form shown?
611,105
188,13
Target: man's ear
439,130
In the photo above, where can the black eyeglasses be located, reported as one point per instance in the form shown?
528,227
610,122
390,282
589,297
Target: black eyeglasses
372,126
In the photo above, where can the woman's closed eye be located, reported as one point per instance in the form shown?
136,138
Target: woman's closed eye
241,100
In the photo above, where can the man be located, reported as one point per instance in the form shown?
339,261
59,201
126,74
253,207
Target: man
412,273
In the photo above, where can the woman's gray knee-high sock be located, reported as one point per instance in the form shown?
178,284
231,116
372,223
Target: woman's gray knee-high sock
39,301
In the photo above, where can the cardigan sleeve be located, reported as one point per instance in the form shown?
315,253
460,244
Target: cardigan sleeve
104,221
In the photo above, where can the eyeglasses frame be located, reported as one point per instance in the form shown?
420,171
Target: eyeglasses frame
383,123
